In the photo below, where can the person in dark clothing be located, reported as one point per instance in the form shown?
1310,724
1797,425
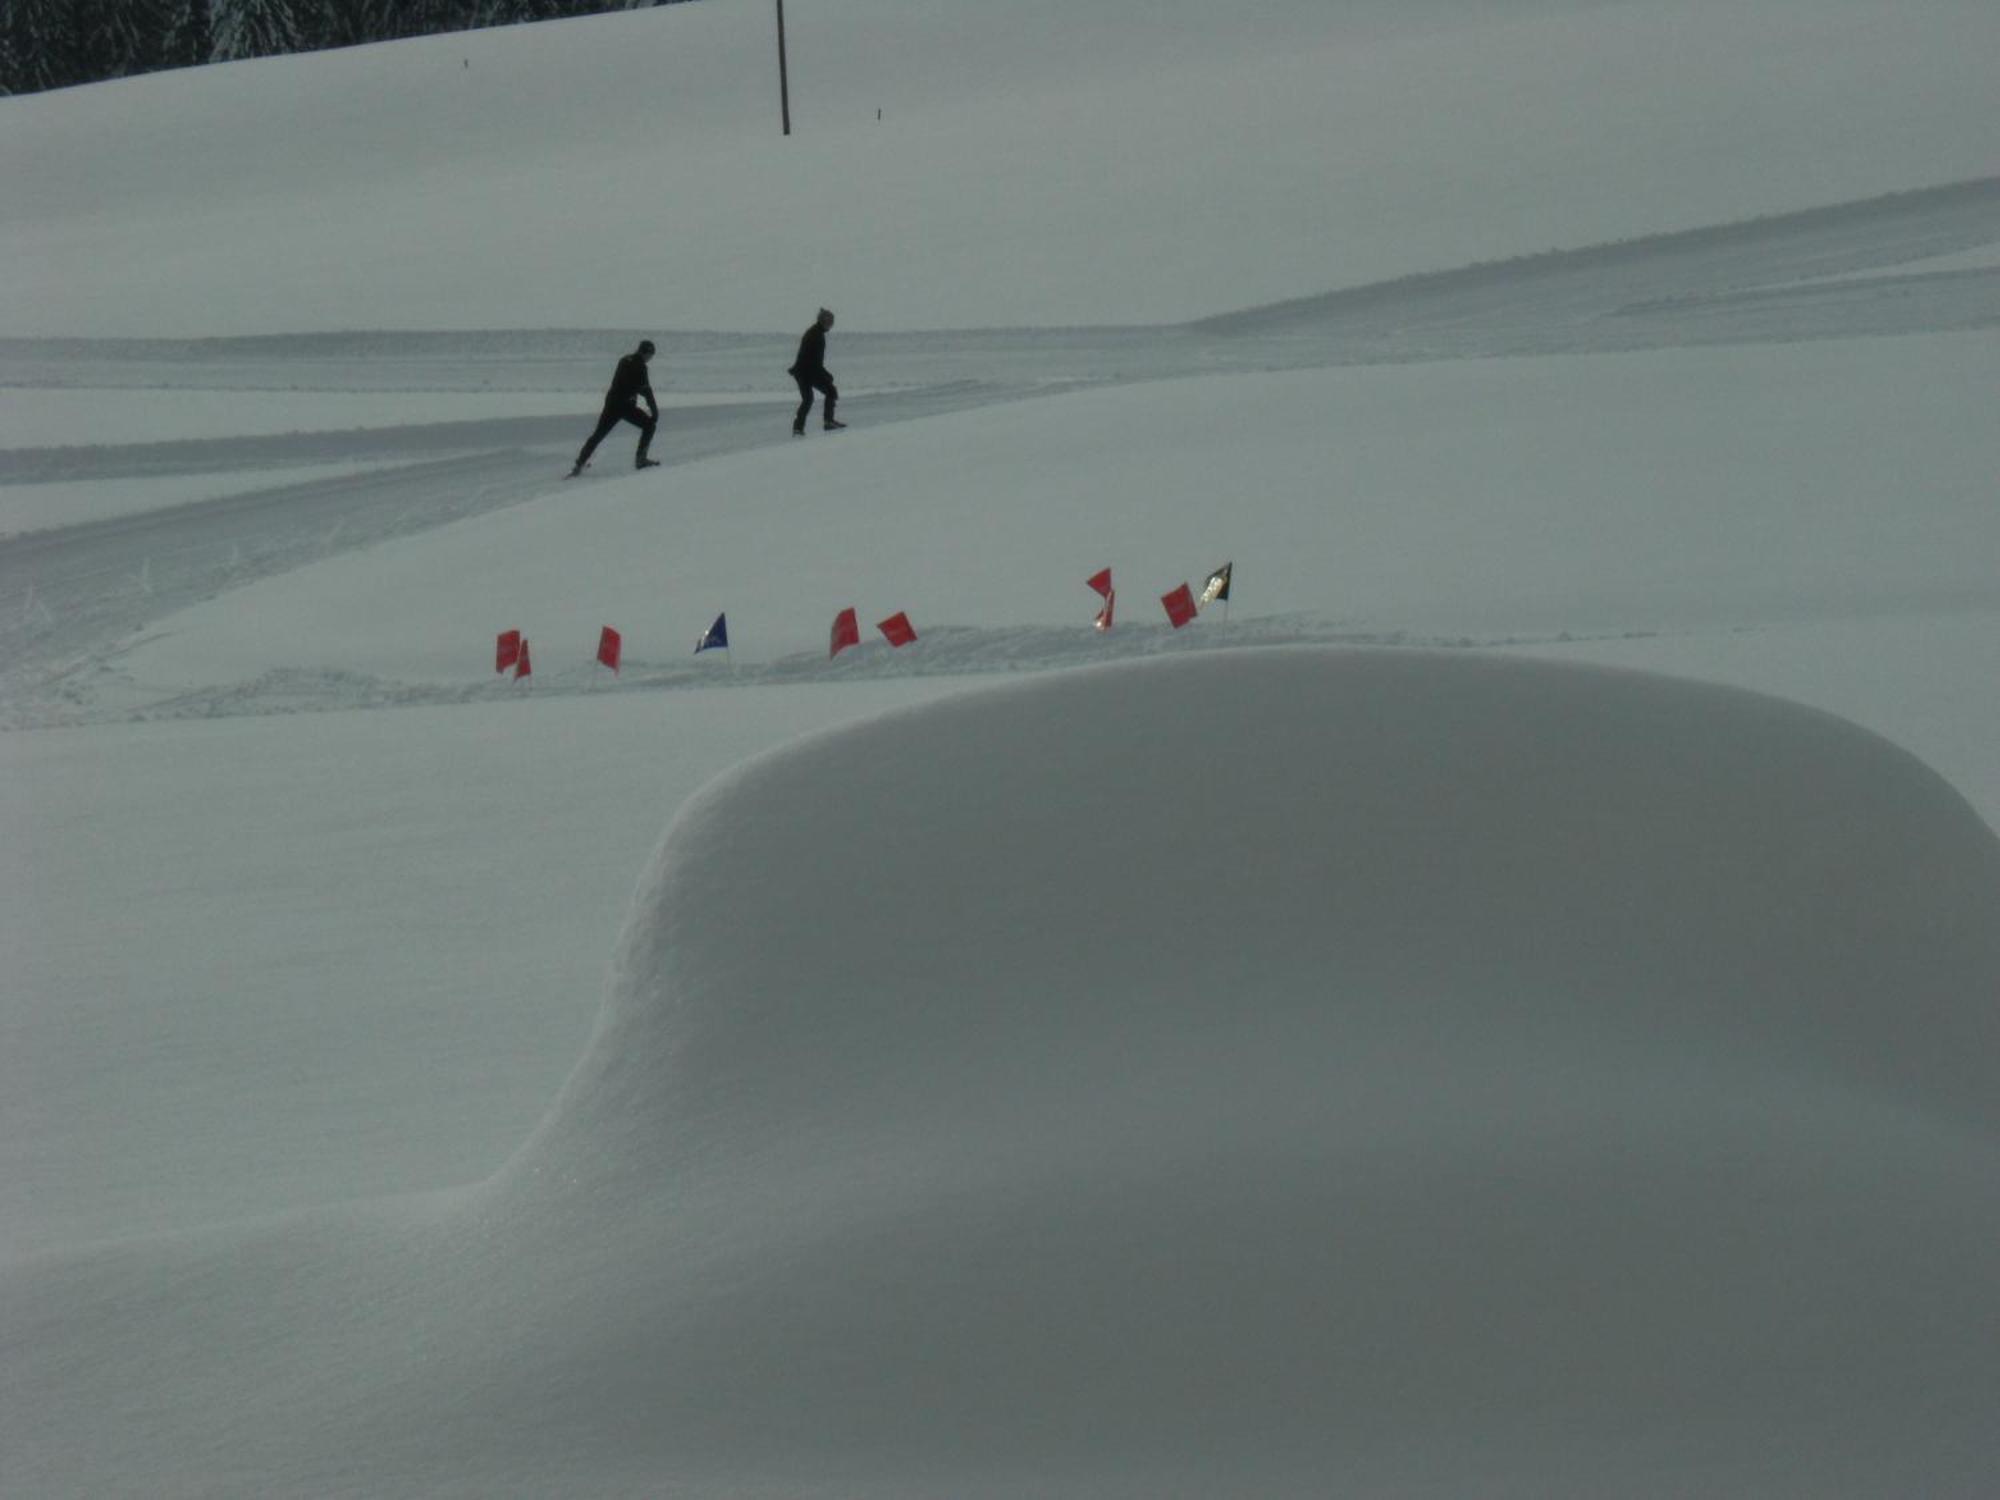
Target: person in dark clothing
809,370
629,386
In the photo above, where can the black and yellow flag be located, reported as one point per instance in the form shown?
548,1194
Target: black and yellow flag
1217,586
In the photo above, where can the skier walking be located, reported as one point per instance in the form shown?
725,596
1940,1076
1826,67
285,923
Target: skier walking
809,370
629,386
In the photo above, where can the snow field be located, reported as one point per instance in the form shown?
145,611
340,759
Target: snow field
1604,494
1456,1139
1268,1072
1037,164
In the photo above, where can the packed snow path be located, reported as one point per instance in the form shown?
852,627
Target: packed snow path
1911,263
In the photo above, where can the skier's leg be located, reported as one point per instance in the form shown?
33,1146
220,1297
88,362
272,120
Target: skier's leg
604,425
825,383
805,403
635,414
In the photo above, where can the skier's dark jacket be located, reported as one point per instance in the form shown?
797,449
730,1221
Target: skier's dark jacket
812,354
628,384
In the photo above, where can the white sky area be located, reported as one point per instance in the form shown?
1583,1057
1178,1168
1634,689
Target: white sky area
1503,1006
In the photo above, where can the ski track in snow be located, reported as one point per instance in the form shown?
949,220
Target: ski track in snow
72,599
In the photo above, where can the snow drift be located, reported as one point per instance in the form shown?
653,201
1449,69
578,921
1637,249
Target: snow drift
1250,1073
1430,853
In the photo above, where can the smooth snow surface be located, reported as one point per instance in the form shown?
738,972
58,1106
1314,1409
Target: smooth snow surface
1041,162
1385,1038
1435,1072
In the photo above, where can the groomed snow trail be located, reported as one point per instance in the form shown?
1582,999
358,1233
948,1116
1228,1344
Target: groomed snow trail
72,597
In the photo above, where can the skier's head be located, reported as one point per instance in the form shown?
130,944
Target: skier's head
825,319
645,348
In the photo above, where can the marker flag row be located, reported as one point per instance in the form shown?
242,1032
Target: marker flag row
511,650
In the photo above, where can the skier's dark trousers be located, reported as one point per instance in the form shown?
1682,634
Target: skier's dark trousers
809,370
629,386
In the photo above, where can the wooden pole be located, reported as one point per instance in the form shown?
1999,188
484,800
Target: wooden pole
784,83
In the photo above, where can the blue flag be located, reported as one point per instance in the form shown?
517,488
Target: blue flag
718,635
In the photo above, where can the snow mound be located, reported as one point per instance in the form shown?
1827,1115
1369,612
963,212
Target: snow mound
1279,1072
1298,1063
1044,895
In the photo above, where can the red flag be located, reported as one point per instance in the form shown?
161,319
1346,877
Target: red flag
897,629
1104,614
609,646
523,667
846,632
1180,605
506,650
1101,581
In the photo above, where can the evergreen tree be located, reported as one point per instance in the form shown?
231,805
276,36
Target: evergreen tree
96,39
38,47
344,23
252,28
48,44
508,12
118,38
191,40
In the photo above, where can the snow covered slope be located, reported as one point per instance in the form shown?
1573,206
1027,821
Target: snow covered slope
1039,162
1606,495
1292,1072
1224,1072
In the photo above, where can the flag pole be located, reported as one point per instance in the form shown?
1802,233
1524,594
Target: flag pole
784,81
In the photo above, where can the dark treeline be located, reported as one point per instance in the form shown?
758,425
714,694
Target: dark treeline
51,44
